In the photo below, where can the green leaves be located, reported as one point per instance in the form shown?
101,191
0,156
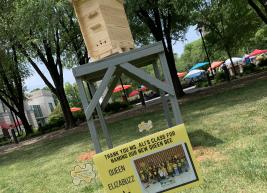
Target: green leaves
72,94
172,16
227,24
193,53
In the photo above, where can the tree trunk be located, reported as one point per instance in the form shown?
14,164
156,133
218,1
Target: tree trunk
64,104
6,134
15,139
56,73
155,27
15,123
17,120
172,66
24,120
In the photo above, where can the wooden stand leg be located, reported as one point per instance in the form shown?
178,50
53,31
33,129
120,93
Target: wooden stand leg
90,121
102,119
164,99
173,99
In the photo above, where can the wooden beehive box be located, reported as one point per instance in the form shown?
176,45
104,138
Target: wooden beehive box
104,27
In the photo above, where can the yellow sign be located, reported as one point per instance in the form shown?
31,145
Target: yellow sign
161,162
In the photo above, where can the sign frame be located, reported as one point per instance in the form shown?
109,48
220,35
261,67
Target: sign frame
172,149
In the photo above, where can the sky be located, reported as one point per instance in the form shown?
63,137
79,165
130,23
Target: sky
35,81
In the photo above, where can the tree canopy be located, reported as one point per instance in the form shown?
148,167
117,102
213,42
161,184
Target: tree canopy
73,95
12,76
162,20
220,20
13,71
193,53
46,33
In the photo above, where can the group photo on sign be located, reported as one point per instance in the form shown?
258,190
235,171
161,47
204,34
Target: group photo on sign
165,169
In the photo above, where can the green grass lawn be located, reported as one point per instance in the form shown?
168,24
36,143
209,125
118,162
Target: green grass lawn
227,130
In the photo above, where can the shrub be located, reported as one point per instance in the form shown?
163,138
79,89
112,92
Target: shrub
220,77
202,83
116,107
56,120
263,63
79,116
4,141
249,68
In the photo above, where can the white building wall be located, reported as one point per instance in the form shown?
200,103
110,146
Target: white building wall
30,115
42,98
32,119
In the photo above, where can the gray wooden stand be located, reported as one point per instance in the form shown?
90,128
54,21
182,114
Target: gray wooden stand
109,71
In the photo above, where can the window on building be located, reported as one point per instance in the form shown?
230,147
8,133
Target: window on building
37,111
51,107
41,122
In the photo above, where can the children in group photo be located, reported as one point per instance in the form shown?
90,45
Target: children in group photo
153,173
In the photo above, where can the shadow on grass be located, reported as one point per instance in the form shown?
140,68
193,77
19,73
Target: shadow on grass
202,138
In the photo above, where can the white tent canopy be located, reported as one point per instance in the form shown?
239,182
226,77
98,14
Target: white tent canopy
235,60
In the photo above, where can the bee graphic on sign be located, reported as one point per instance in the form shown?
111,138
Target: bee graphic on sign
83,174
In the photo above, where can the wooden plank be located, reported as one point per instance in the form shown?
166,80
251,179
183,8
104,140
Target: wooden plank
111,87
174,103
95,100
147,78
146,51
164,99
89,120
138,79
102,119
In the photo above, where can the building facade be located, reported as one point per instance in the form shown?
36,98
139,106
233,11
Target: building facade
9,119
38,106
42,103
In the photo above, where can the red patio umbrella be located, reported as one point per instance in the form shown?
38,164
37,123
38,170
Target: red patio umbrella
257,52
216,64
119,88
181,74
134,93
4,125
75,109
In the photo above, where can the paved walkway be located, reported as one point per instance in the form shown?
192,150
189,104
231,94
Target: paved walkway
49,136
